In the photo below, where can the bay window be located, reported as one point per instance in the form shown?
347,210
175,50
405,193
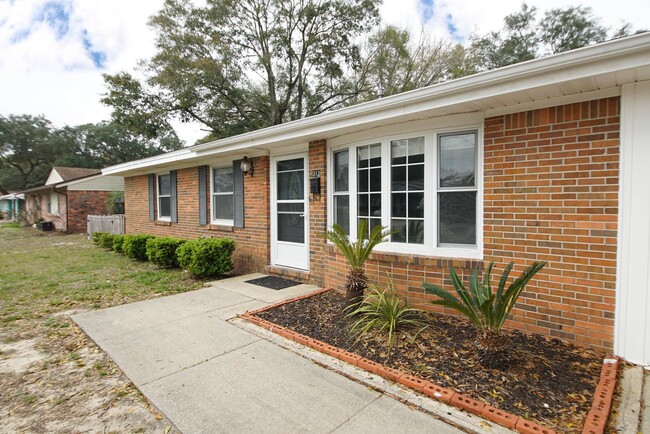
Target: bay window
424,187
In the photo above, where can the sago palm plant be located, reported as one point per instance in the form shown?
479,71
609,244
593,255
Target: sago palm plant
385,312
485,309
356,253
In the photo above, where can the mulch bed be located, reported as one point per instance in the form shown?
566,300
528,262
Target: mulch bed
549,381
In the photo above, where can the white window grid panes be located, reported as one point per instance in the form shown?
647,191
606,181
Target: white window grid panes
223,195
407,190
341,190
369,185
164,196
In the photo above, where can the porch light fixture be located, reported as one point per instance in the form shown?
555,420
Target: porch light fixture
247,166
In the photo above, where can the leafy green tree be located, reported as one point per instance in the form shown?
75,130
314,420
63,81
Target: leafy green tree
26,151
143,114
525,37
570,28
516,43
394,63
30,146
108,143
236,66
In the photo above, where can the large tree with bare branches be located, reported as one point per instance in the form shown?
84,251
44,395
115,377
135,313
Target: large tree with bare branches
239,65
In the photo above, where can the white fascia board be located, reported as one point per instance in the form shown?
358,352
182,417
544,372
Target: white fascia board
607,57
76,181
168,157
581,63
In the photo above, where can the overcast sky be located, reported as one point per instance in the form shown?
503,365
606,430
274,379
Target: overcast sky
53,52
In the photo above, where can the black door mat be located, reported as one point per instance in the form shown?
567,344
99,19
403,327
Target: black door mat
273,282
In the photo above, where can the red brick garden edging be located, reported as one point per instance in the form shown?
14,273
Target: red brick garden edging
596,418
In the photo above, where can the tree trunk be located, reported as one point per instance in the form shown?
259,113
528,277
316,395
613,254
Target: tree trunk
492,350
355,284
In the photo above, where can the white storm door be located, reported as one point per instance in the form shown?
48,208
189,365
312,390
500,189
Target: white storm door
289,212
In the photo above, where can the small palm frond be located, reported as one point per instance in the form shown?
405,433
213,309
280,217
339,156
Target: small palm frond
357,252
385,312
485,309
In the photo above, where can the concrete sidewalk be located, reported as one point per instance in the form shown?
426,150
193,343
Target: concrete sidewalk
208,374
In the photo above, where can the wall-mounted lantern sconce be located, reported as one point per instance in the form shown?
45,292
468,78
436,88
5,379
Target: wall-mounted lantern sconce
247,166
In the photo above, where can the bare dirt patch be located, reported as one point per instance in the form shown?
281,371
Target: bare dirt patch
76,388
18,356
53,379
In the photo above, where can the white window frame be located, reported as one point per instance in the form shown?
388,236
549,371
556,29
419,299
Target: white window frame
53,203
213,193
158,196
335,193
430,246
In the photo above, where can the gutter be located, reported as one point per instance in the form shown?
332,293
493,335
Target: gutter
469,84
492,83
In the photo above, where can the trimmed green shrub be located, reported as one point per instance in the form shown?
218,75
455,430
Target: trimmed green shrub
118,240
135,246
206,256
162,251
106,241
96,236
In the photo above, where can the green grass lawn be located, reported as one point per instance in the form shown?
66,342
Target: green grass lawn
72,383
44,273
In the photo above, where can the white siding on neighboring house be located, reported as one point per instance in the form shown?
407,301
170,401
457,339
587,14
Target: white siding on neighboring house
54,178
632,336
98,183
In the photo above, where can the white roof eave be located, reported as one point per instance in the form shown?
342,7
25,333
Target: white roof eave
612,56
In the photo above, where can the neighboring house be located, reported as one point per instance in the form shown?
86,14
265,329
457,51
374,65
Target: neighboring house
11,205
543,160
69,195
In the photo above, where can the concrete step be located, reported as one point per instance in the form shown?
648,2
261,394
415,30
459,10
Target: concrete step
634,409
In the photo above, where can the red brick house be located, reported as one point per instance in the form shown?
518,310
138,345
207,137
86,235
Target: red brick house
544,160
69,195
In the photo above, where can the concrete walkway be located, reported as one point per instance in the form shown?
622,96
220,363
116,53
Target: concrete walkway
208,374
633,413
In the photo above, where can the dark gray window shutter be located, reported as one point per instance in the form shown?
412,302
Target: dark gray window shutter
203,196
173,198
238,194
152,186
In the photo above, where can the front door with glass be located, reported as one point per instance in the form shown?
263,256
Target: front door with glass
289,212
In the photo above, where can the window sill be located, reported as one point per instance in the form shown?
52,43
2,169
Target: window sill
220,228
162,223
438,259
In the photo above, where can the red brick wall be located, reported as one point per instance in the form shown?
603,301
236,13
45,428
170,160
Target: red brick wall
318,213
252,242
550,193
81,204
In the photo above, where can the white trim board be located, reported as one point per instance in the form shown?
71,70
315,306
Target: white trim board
632,322
578,72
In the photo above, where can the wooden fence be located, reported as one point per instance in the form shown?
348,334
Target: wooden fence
113,224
